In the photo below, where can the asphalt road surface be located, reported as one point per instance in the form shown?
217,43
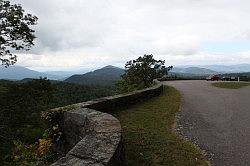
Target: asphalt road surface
217,120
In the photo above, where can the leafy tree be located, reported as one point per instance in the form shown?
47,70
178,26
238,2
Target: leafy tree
21,104
15,32
20,107
141,72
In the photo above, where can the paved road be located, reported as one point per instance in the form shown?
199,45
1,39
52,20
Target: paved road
216,119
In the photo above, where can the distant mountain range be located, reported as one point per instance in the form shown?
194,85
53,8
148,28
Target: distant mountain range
239,68
193,71
18,73
108,75
67,73
60,75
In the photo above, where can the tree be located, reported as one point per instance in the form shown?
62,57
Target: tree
141,72
15,31
20,109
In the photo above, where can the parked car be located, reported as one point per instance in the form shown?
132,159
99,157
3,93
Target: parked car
213,78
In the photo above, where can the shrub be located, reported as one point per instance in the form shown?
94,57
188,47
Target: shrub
140,73
39,153
53,120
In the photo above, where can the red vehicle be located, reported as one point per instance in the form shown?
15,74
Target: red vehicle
213,78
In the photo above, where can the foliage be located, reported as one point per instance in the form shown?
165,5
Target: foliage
141,72
70,93
15,32
123,86
39,153
148,135
53,119
20,109
21,105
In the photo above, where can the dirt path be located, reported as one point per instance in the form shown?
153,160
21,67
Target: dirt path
216,119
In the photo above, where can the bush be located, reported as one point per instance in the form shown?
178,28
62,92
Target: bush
53,120
140,73
40,153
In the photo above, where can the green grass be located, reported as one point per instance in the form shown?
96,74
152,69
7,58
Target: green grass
148,133
231,85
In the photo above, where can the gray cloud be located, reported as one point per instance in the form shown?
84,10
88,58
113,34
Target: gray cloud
105,32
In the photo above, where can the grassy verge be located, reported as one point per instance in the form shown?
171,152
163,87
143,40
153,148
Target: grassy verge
148,135
230,85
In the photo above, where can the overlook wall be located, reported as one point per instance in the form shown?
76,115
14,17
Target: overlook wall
94,137
112,103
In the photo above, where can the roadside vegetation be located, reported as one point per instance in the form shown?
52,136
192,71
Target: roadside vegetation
231,85
140,73
23,137
148,133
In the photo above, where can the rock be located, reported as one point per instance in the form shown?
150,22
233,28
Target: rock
93,137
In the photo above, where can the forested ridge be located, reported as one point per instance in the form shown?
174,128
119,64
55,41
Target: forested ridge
21,104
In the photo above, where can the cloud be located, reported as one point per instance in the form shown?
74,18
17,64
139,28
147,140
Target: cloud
93,32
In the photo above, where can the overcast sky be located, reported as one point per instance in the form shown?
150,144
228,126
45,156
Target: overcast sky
94,33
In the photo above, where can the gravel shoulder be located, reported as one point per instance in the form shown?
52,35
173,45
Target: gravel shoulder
217,120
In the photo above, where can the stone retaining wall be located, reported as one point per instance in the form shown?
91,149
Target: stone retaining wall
94,137
111,103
